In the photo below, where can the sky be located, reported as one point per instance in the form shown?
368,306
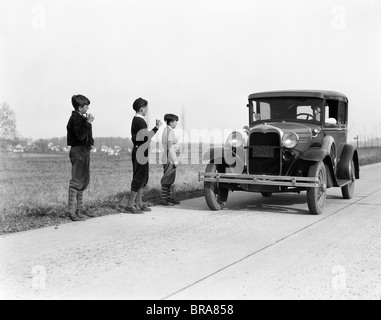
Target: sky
199,59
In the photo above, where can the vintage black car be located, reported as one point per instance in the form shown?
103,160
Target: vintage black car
296,141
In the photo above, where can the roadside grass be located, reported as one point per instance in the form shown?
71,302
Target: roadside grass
369,155
33,188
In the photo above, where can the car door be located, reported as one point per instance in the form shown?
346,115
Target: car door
335,123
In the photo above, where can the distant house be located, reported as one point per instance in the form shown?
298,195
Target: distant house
53,148
19,149
117,150
31,147
111,151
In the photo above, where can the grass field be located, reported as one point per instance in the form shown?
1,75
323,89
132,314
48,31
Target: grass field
33,187
369,155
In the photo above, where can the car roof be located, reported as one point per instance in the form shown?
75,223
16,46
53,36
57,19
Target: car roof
322,94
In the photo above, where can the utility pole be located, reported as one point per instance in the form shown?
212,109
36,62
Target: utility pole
357,138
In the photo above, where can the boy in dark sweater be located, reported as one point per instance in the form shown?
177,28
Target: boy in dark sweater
141,139
80,138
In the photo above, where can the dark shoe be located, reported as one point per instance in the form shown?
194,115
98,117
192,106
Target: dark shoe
84,212
133,210
74,217
166,203
144,208
63,215
171,200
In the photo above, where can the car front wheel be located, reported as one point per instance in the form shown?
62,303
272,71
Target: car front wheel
316,196
215,195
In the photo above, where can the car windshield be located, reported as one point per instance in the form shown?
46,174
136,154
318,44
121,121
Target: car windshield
291,109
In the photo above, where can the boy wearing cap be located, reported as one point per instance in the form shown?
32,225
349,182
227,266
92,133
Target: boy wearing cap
141,139
80,138
170,159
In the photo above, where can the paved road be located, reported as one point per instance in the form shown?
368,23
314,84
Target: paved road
255,249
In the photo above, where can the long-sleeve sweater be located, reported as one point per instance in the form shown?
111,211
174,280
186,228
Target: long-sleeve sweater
79,131
140,134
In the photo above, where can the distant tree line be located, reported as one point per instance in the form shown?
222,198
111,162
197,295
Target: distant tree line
10,140
60,144
111,142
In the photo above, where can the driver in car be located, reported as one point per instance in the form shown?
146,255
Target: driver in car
316,110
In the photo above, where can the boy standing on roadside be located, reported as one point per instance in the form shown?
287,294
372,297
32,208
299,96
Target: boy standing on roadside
141,139
80,138
170,159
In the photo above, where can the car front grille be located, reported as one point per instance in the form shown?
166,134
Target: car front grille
264,153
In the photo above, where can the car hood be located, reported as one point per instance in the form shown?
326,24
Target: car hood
302,130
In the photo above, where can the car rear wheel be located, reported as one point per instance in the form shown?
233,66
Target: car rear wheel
316,197
349,189
215,195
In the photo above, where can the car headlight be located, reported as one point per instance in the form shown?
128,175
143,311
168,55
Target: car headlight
235,140
290,140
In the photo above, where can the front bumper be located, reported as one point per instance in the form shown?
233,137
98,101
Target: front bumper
266,180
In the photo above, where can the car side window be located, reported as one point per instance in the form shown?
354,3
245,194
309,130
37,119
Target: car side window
331,113
342,117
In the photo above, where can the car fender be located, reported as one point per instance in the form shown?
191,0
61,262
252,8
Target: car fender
348,154
215,154
328,147
225,156
331,177
315,154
